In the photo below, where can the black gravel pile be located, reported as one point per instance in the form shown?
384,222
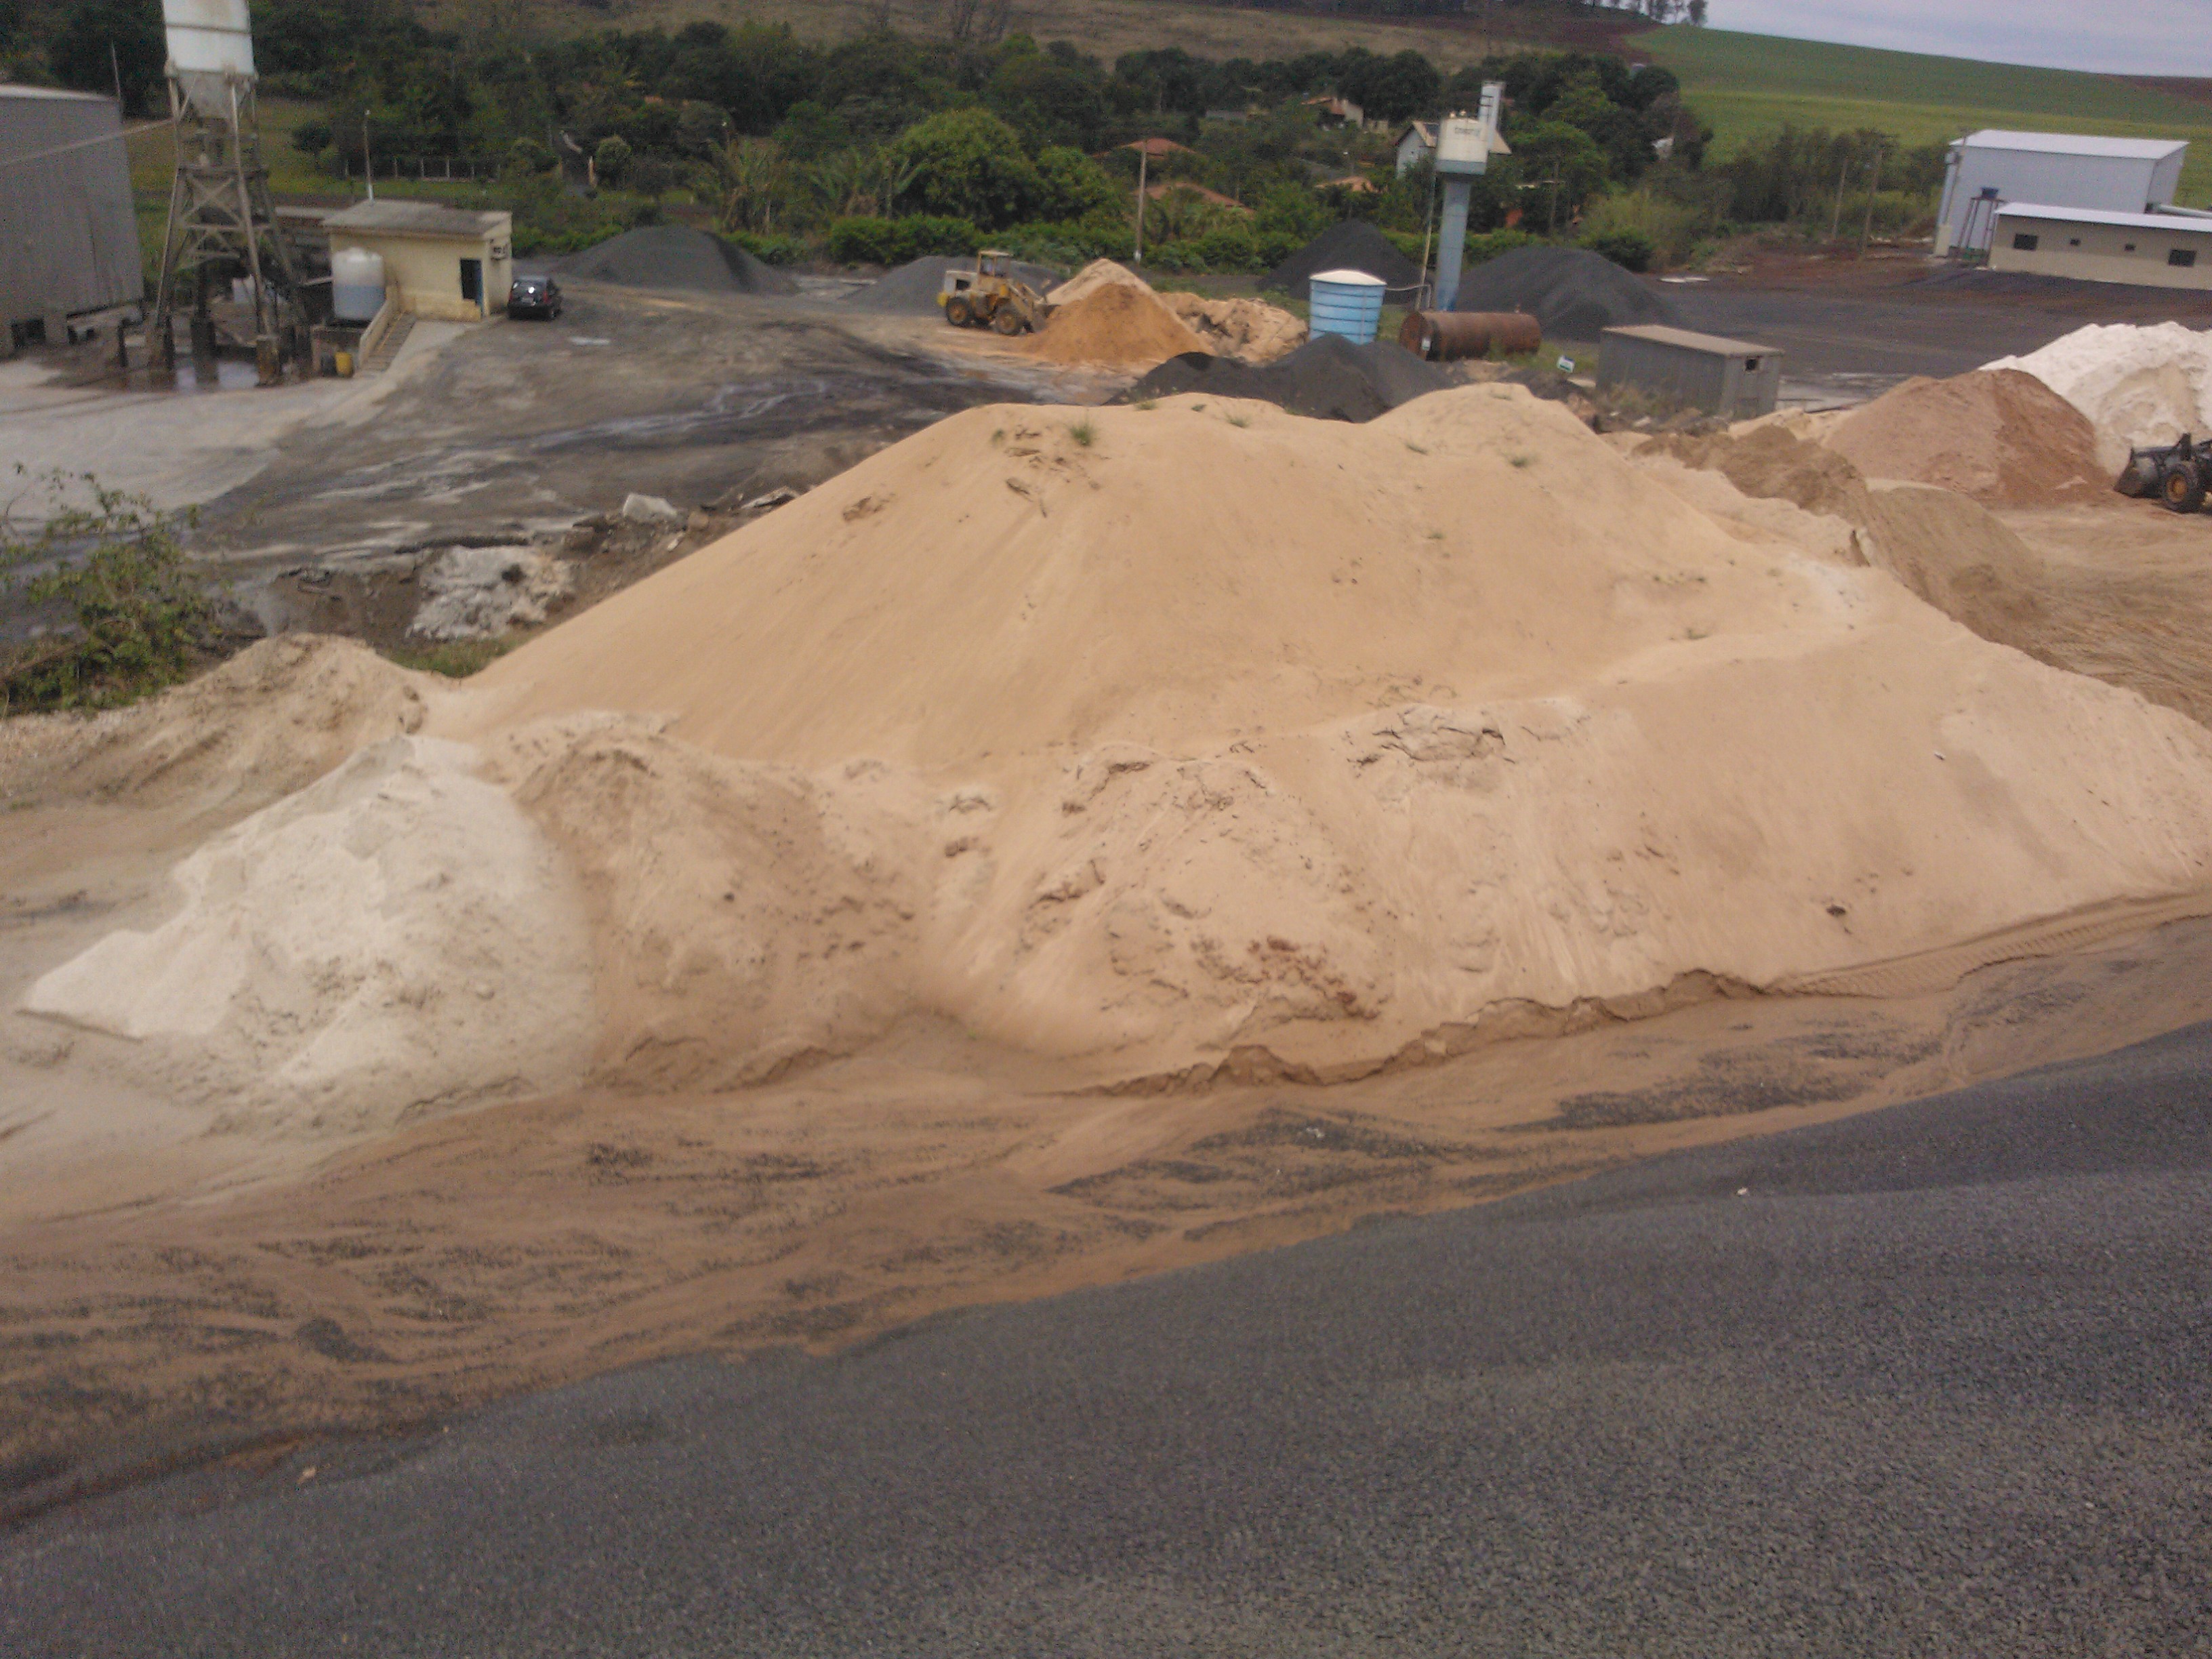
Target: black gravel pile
677,257
911,290
1328,377
1575,295
1352,245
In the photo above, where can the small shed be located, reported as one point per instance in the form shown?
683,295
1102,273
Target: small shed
2151,250
439,261
69,236
1734,379
1415,144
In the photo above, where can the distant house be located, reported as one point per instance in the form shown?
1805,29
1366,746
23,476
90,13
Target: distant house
1234,117
1184,187
1357,183
1415,144
1158,149
1331,111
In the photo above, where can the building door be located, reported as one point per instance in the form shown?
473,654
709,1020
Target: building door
472,283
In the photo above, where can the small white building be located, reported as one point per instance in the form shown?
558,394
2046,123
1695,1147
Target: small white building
2151,250
1417,143
2057,169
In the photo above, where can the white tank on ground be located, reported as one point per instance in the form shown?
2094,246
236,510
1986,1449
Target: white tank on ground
356,284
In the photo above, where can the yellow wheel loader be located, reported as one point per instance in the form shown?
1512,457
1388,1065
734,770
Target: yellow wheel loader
991,296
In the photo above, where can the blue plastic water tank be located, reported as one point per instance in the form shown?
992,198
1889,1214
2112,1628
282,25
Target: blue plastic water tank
1346,302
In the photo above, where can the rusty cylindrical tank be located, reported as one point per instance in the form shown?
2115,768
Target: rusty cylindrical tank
1441,336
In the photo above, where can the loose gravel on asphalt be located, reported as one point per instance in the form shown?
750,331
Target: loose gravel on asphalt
1929,1380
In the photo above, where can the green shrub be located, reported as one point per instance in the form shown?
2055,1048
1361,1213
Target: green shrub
772,250
865,241
139,610
1227,248
1488,245
1632,250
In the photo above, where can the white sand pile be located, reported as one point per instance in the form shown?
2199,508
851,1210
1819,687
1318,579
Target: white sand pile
2138,386
397,938
1251,331
472,593
1256,733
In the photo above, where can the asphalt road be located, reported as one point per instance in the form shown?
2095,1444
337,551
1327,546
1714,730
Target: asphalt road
1931,1381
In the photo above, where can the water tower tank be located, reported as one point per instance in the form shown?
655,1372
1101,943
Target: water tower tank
1346,302
357,285
210,51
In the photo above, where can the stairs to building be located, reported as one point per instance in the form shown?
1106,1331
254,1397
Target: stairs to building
388,348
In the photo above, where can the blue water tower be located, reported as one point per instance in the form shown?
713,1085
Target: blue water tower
1346,302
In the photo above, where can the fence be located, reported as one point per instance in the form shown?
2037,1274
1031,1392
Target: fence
425,168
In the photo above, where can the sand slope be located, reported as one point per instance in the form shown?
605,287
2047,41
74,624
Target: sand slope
1232,730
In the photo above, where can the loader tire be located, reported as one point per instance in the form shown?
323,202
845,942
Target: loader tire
2182,487
1008,321
958,312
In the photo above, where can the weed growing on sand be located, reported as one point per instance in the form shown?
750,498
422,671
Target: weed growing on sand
456,659
1145,403
138,616
1519,461
1085,433
1238,420
1415,447
998,436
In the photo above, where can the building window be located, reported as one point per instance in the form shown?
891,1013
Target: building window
2025,242
2181,256
2073,241
2130,248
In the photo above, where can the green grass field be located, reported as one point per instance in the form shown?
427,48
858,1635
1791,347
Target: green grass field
1746,84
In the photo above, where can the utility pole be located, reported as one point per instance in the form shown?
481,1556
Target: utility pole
1836,223
1143,155
1873,185
116,70
367,161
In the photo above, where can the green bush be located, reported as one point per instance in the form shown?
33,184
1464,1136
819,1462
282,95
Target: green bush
773,249
140,610
968,163
1632,250
610,160
867,240
1231,247
1488,245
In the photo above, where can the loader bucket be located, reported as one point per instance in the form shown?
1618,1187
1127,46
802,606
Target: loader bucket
2139,476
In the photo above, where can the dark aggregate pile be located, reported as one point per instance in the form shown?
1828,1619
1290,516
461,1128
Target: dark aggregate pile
1575,295
678,257
1352,245
1328,377
912,288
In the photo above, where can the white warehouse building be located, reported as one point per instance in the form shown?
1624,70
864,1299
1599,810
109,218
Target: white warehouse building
2052,169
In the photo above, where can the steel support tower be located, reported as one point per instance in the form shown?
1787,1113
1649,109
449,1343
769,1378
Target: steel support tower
220,211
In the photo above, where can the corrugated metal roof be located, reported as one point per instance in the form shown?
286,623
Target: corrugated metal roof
417,218
1690,340
2188,225
2075,144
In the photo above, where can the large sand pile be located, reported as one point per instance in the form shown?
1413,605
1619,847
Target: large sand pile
2138,386
1116,324
1232,730
1099,273
2003,437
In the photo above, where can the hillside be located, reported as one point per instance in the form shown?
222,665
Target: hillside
1745,84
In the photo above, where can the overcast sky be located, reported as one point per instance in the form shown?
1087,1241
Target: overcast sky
2126,37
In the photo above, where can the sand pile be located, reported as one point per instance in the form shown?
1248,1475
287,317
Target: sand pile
1099,273
1328,378
2003,437
1349,245
1251,331
1330,741
1115,324
676,257
395,938
2138,386
1574,294
912,288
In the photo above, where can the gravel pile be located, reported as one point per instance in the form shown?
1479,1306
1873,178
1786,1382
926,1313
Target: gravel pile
1352,245
1575,295
1327,378
676,257
911,290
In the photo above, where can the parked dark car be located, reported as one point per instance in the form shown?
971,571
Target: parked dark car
534,296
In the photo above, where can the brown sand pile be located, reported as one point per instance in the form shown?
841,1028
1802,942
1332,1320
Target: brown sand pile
2000,436
1218,738
1114,325
1099,273
1251,331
